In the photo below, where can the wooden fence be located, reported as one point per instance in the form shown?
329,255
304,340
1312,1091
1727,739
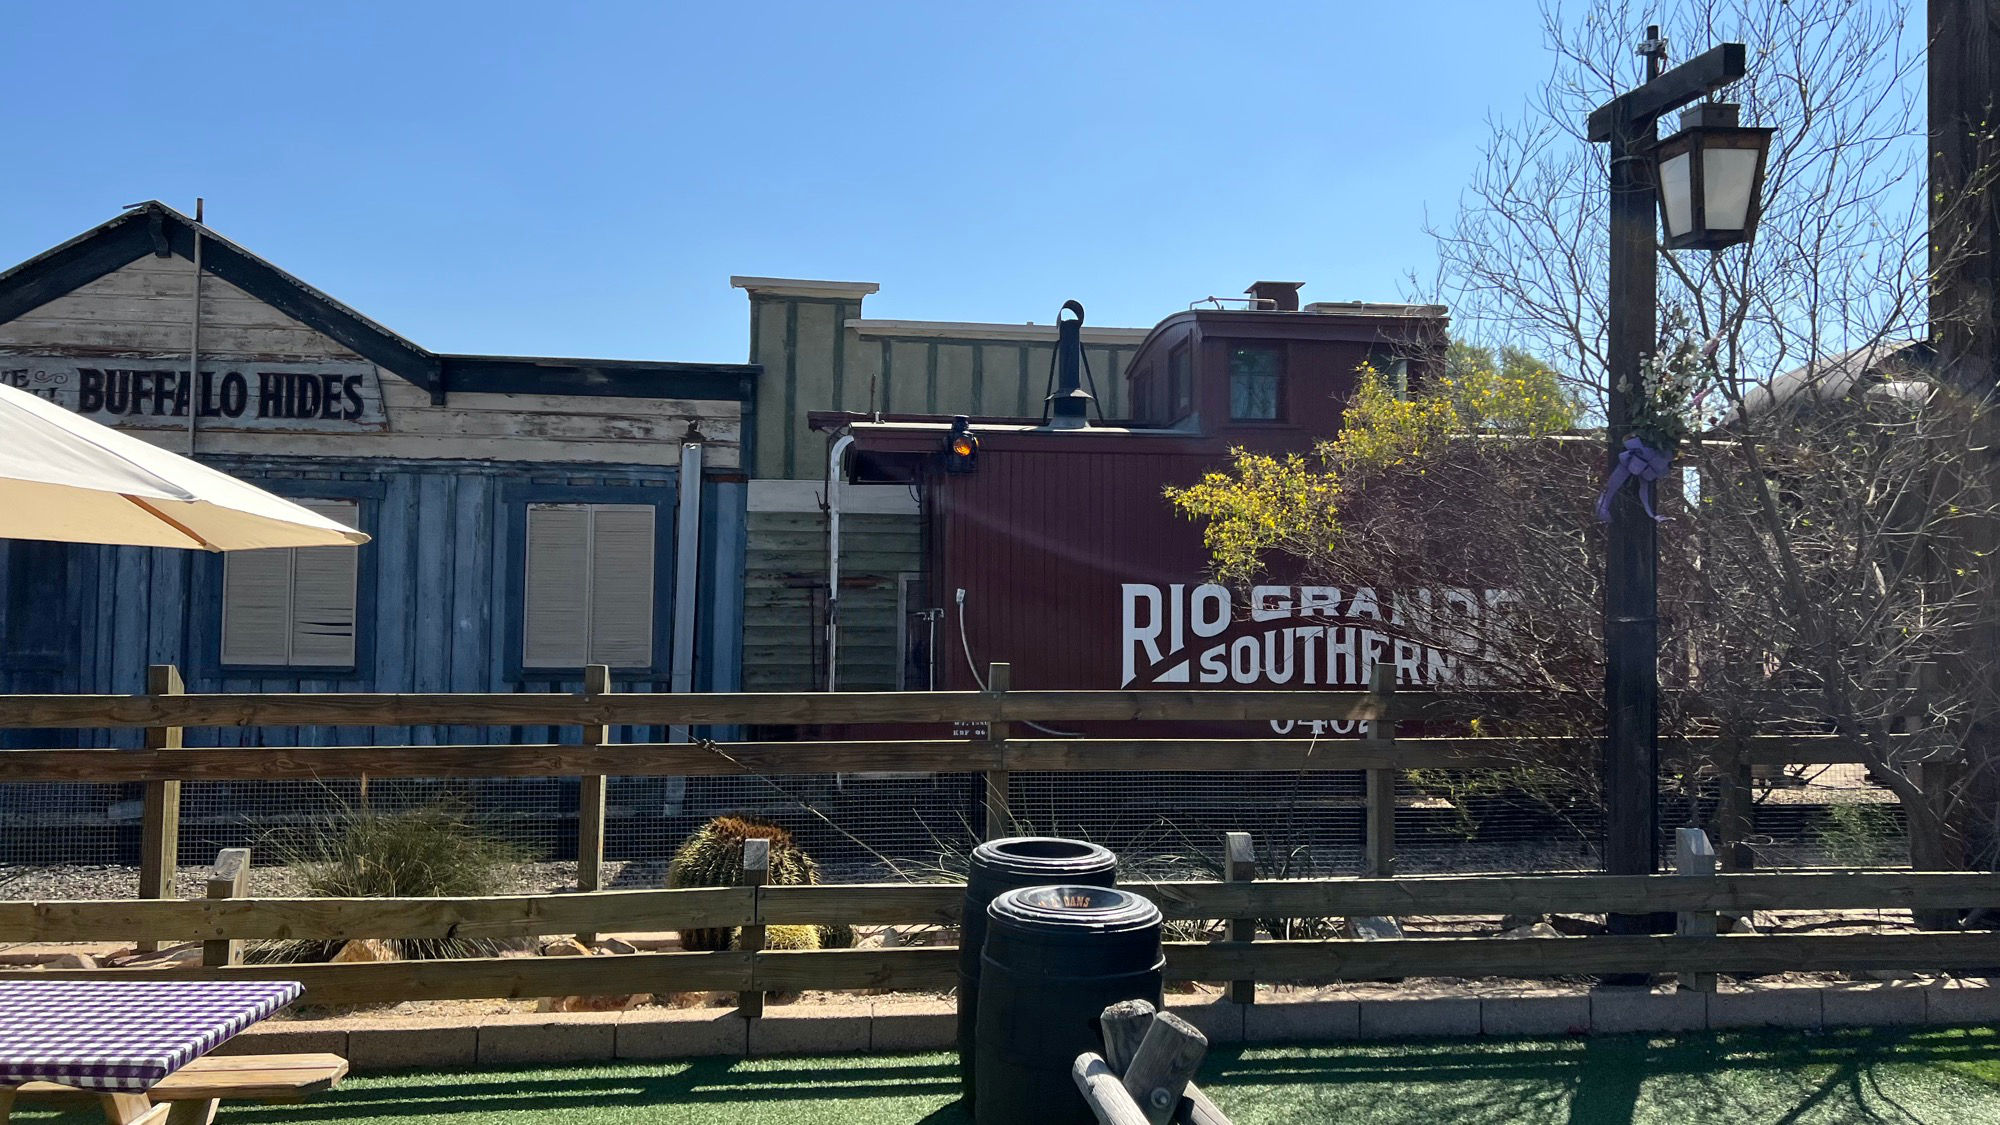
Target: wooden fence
225,919
219,922
166,712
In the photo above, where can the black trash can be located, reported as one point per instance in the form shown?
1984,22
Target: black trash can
1055,958
999,866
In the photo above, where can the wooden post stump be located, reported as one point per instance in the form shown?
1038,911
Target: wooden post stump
1146,1072
1695,858
1239,865
756,873
230,880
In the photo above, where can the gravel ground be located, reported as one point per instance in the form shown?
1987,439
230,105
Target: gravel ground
87,881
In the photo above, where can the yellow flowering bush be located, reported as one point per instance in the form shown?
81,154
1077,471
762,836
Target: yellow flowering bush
1290,503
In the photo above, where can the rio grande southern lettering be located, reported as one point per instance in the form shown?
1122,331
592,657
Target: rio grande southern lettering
1295,635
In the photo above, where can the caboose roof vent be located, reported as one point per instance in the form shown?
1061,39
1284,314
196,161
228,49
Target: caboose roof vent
1275,296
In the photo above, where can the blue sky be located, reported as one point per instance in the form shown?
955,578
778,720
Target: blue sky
583,179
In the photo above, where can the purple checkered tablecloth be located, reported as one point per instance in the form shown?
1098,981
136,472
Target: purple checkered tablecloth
123,1035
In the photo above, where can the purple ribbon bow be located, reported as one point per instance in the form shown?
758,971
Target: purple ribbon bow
1638,460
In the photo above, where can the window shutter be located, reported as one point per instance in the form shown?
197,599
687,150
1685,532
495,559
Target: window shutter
323,595
257,607
621,586
556,621
292,607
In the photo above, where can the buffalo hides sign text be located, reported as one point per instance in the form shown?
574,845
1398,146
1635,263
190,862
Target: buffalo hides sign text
230,395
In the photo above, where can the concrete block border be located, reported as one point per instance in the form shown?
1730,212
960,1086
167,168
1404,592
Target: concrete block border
889,1024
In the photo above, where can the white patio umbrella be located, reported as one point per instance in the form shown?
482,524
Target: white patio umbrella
66,478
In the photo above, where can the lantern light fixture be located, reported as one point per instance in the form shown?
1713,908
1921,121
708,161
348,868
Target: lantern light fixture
1711,178
961,447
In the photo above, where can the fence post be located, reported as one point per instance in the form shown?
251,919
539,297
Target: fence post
999,817
1931,850
230,880
1239,865
590,797
1381,780
160,822
1695,858
750,939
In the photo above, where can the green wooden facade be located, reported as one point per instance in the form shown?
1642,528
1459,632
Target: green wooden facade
821,353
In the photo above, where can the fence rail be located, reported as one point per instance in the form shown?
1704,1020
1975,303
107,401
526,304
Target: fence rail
936,968
518,916
717,759
165,714
702,708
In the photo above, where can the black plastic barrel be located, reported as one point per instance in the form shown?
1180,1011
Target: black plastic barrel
999,866
1055,958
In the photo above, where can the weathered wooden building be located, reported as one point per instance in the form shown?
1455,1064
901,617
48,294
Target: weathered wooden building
530,515
818,352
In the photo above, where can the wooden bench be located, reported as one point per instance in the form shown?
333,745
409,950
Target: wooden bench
192,1094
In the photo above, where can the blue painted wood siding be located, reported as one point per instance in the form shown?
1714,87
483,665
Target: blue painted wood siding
438,598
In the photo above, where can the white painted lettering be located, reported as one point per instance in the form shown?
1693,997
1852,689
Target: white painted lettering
1137,635
1209,610
1270,603
1215,665
1243,660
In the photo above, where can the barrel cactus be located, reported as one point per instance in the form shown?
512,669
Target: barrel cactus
713,857
791,937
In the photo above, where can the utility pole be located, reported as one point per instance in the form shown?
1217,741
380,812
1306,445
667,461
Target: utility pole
1965,226
1964,81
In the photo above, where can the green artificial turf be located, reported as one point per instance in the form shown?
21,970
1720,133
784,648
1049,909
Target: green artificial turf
1783,1078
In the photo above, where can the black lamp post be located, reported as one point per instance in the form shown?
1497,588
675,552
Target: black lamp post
1707,203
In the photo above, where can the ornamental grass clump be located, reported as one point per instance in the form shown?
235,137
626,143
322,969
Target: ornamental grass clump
428,852
713,857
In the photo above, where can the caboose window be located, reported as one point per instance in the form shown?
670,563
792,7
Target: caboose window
1180,384
1254,373
1393,368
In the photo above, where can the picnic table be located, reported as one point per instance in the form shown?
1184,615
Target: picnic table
117,1040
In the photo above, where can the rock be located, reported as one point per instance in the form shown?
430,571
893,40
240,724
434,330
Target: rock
69,961
591,1003
1535,930
364,949
615,945
1884,974
1373,928
563,947
1739,925
694,999
1518,921
1574,926
164,959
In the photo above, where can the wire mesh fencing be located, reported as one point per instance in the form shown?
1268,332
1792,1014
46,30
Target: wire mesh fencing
866,827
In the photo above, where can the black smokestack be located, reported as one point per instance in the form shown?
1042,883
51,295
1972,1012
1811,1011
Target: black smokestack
1069,403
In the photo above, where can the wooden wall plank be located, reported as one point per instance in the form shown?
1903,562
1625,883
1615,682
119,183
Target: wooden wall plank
395,594
470,628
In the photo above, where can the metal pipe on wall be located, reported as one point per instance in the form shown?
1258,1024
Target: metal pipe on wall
833,458
194,334
687,574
